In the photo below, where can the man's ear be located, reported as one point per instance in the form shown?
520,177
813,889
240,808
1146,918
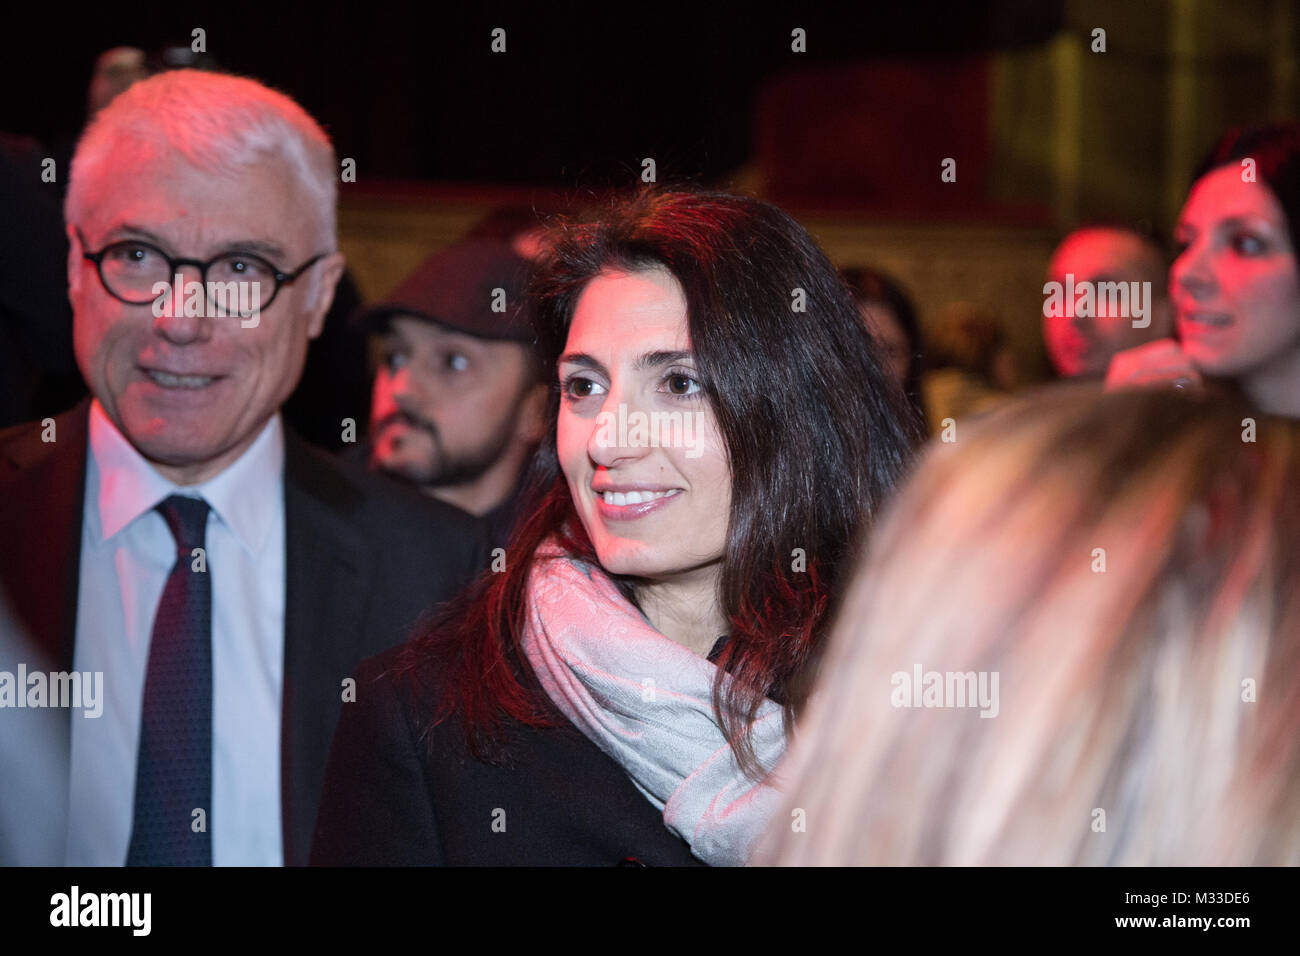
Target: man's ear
531,422
331,268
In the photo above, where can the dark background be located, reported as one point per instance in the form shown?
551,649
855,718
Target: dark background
414,92
849,136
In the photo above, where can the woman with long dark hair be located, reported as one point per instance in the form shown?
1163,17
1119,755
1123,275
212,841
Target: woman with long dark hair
621,683
1235,284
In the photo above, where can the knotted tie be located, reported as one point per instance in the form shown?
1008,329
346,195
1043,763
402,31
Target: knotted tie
174,767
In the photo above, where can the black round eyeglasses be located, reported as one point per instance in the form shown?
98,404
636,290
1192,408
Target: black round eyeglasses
135,272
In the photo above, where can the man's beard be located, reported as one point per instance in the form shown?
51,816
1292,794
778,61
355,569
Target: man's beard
445,469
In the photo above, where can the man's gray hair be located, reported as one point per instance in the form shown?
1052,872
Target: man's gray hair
216,122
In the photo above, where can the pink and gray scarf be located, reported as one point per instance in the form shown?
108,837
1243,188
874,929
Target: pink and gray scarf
646,701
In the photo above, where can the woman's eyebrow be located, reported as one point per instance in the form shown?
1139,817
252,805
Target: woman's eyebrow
1243,220
583,360
645,361
653,359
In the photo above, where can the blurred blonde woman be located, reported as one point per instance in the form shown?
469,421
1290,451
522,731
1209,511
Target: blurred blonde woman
1110,587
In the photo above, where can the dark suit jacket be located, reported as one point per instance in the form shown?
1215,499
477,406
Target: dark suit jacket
365,556
392,799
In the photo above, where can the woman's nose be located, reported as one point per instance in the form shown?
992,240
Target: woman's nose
616,433
1192,272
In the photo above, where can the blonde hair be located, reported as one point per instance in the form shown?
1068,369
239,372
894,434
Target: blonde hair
216,122
1127,566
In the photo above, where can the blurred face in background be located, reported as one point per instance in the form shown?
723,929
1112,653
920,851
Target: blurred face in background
888,332
1235,284
447,406
659,513
1083,345
115,70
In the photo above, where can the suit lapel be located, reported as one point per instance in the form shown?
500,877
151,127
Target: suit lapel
42,519
325,588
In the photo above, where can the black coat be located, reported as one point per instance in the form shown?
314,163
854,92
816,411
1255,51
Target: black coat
391,799
364,557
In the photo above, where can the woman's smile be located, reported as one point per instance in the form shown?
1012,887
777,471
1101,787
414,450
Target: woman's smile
632,503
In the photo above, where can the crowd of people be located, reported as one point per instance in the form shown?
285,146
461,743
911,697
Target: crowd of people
645,555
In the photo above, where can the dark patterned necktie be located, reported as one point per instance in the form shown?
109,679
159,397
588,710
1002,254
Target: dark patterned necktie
174,769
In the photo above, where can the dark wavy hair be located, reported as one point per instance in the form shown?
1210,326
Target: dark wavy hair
813,428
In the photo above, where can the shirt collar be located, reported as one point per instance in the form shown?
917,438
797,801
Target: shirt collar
246,496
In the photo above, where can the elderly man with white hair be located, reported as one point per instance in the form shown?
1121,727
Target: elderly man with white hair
170,532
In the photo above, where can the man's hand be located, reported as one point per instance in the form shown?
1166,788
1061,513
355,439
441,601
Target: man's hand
1162,362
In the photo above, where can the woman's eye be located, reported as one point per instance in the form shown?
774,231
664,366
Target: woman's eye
1247,245
457,362
394,360
578,386
679,384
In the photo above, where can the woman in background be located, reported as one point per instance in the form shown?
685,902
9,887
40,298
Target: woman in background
1106,590
891,318
1235,285
616,689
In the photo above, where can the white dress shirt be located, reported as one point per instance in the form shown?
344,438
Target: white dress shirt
127,553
